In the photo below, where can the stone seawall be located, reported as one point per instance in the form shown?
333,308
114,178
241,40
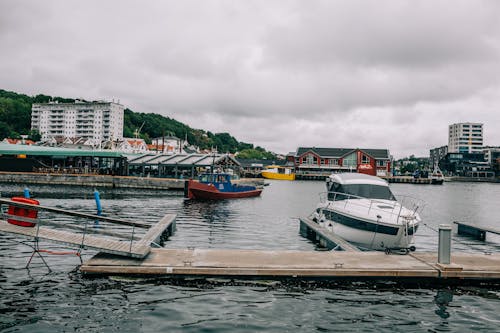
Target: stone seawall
92,181
24,178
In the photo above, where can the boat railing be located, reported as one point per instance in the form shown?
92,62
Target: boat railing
371,205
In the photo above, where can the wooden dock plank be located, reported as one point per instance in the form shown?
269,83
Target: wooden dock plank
154,233
210,262
327,234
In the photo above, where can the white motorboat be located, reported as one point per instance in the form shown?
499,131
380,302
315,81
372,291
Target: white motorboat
362,210
437,176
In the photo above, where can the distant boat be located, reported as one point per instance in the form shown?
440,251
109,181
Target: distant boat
278,172
217,186
437,176
362,210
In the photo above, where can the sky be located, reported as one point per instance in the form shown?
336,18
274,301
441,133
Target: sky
278,74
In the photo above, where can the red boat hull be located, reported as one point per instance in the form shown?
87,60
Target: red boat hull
198,190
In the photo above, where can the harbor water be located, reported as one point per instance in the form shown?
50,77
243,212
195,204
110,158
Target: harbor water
33,300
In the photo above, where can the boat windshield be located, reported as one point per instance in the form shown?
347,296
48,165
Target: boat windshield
214,178
361,190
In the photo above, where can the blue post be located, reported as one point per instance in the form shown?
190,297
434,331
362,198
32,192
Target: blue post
98,204
26,193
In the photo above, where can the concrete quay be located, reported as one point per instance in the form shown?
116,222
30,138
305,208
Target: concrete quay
96,181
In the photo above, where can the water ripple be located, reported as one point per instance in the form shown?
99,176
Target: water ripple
33,300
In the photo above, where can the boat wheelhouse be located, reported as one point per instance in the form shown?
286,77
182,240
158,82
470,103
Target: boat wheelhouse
278,172
216,186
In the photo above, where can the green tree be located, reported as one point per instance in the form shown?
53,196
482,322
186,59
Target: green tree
34,135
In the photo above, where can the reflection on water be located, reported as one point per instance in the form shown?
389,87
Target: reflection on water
34,301
442,300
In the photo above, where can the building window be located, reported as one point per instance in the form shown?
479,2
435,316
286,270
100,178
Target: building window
381,163
333,162
365,159
350,160
311,159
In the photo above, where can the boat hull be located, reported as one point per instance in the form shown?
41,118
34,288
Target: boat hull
369,233
198,190
278,176
368,240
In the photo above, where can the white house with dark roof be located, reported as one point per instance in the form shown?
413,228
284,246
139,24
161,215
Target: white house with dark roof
376,162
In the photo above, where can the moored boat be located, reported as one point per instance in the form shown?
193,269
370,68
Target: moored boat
437,176
217,186
278,172
362,210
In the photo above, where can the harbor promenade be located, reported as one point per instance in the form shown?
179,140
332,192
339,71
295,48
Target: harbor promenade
96,181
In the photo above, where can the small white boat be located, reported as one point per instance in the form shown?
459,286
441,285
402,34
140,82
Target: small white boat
362,210
437,176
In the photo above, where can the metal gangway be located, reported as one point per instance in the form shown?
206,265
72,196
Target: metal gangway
85,236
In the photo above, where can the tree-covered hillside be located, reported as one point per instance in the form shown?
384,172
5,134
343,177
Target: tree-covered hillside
15,120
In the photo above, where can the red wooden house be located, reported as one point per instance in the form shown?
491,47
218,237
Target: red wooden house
376,162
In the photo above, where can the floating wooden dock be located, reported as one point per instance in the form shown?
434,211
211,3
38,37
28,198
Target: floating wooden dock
349,263
297,264
475,231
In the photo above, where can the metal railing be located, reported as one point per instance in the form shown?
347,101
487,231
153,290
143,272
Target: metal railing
70,224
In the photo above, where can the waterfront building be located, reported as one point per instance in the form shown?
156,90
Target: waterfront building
132,145
436,155
95,121
22,141
168,144
465,138
376,162
466,165
32,158
180,165
491,154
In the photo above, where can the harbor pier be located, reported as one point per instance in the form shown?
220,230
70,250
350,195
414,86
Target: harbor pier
296,264
350,262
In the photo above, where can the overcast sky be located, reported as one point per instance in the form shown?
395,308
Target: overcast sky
279,74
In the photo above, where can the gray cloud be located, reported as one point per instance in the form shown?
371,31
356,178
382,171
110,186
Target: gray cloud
278,74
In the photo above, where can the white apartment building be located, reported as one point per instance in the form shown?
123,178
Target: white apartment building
465,138
96,121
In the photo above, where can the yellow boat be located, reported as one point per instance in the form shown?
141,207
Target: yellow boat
278,172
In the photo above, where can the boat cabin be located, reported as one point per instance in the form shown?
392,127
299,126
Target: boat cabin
214,178
279,169
357,186
222,182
